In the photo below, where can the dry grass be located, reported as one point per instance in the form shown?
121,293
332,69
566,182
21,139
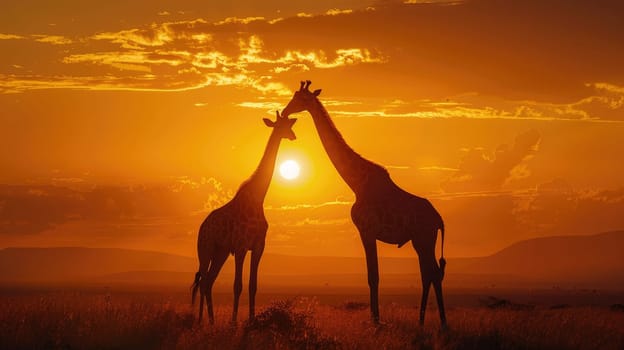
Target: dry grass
138,321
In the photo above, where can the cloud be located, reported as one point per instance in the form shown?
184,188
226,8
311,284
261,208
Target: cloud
299,67
398,167
131,60
618,90
184,55
345,57
212,60
485,223
10,36
318,222
170,213
440,113
480,170
155,35
437,168
11,83
262,84
212,68
67,180
477,222
266,105
252,53
336,12
272,104
34,209
237,20
337,202
423,109
52,39
605,104
556,207
25,210
258,53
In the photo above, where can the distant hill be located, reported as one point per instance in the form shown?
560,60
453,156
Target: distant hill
75,263
594,260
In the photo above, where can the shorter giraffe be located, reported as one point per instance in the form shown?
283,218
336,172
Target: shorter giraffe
239,226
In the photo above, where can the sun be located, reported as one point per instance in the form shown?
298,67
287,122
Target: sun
289,169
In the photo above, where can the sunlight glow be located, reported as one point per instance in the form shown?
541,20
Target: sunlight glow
289,169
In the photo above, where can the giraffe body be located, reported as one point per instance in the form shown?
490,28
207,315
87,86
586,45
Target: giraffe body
396,217
382,210
238,227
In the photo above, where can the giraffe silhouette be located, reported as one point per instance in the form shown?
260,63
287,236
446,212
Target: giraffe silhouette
239,226
382,210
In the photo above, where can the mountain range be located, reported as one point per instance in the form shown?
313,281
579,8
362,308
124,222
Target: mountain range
590,260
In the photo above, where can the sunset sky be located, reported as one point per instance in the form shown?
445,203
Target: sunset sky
123,124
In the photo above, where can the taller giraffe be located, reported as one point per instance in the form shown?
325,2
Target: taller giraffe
239,226
382,210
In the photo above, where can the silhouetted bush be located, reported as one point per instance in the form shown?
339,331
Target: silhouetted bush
355,305
281,325
497,303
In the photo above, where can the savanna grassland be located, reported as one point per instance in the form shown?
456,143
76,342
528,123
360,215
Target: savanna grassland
107,318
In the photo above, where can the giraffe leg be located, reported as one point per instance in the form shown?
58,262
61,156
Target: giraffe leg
426,285
437,286
239,258
215,266
253,280
201,302
431,274
202,292
370,248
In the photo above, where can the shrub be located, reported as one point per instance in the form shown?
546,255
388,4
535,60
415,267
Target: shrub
281,325
354,305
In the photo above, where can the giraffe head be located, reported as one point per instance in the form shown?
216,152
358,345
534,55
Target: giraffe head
301,99
282,126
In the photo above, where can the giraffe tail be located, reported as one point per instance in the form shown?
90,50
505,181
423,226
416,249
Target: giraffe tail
442,260
195,287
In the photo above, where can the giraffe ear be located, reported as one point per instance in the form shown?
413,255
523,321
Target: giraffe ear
268,122
316,92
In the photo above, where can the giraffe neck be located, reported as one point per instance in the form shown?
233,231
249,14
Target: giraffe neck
353,168
258,183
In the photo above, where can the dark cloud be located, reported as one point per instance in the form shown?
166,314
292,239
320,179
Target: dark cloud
32,209
549,207
557,208
482,171
476,224
545,51
520,50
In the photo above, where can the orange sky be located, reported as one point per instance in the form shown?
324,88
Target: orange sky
124,125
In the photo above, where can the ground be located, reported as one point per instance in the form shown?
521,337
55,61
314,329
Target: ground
161,318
